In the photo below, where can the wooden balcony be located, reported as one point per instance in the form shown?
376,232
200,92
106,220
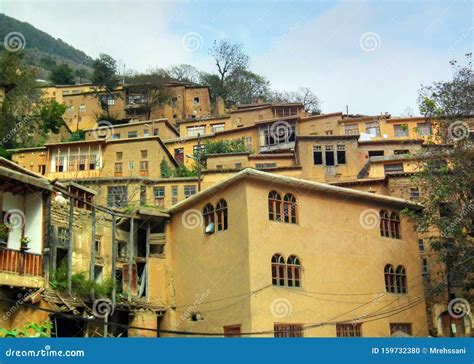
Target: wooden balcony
19,262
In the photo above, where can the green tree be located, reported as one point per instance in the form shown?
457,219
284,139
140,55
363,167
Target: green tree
244,87
105,80
446,176
49,114
62,74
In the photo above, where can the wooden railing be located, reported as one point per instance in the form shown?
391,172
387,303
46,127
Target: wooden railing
21,262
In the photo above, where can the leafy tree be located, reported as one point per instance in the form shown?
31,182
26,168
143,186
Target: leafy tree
62,74
47,62
184,73
446,177
77,135
166,170
153,86
41,329
244,86
105,80
216,87
225,146
81,74
49,115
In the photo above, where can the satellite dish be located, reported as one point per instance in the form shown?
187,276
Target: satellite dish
210,228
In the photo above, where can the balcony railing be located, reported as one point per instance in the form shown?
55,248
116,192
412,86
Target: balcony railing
15,261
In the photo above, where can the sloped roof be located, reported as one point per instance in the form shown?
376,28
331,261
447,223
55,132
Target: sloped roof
272,178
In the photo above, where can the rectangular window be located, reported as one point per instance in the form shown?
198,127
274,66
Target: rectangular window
329,155
174,195
351,129
401,151
118,156
376,153
144,154
146,132
217,128
393,168
317,155
63,237
132,134
144,168
265,165
219,166
71,163
174,101
156,131
98,247
118,169
373,128
142,195
248,143
421,245
82,108
328,132
98,269
402,327
424,129
400,130
288,330
196,101
341,154
238,165
42,169
414,193
159,196
189,191
111,101
131,165
82,162
348,330
116,136
179,155
117,196
193,131
425,270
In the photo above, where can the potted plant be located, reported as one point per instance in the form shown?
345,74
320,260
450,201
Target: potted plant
4,230
24,242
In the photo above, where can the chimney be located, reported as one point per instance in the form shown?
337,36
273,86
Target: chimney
220,106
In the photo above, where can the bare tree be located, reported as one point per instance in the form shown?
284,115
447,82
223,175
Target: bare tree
228,57
184,73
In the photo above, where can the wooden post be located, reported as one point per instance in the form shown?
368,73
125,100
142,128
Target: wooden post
48,244
92,266
148,231
70,246
130,257
114,257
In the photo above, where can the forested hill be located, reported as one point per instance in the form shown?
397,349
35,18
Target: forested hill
42,49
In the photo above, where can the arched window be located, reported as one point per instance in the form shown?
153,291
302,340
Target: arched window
401,279
289,208
274,206
221,212
208,214
384,224
278,270
293,269
394,226
389,279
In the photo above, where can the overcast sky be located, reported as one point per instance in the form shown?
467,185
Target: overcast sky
370,55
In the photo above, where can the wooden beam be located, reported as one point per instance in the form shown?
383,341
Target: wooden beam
130,257
92,265
70,247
